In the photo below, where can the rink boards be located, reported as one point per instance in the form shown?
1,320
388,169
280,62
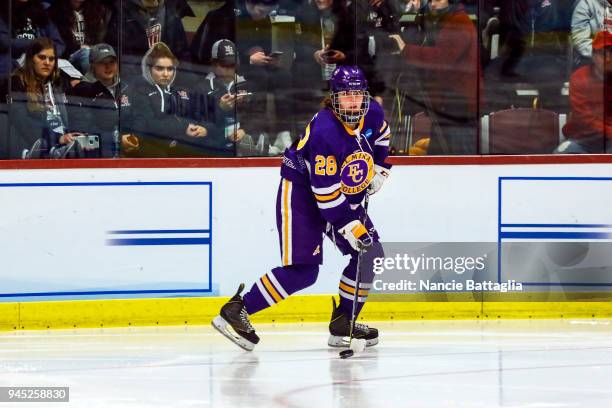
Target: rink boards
177,239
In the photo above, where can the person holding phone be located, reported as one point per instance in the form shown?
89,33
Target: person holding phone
250,21
326,38
323,42
221,99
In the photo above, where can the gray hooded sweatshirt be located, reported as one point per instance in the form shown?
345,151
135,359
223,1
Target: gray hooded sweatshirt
588,19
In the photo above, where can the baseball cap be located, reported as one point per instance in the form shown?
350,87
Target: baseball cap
602,39
100,51
224,52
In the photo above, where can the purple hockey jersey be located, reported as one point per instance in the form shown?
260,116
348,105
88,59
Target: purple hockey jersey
338,162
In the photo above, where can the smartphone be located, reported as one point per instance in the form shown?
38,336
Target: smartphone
275,54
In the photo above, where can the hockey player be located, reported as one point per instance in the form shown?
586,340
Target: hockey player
324,177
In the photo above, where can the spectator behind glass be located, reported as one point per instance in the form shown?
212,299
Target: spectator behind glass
95,102
447,77
324,38
4,51
534,34
249,26
589,128
375,20
163,113
589,17
218,24
29,21
146,23
530,27
81,23
39,120
221,96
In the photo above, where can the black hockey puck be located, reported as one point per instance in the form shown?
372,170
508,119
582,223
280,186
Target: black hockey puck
346,353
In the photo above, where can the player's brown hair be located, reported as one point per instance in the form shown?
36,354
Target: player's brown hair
327,102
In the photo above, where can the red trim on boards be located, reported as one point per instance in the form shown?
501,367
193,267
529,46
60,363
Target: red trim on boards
276,161
501,160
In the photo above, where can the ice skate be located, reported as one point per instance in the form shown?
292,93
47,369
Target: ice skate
340,327
233,314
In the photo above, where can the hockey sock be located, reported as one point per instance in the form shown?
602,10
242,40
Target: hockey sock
278,284
347,281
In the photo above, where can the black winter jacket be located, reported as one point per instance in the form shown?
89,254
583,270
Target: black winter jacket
160,119
94,110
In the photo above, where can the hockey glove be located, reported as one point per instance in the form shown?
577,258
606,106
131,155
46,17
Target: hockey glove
380,175
356,234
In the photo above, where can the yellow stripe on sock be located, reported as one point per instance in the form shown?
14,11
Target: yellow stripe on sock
351,290
271,289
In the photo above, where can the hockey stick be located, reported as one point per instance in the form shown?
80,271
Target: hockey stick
361,344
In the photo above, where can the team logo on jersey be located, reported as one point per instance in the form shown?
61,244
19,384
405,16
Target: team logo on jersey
367,133
356,173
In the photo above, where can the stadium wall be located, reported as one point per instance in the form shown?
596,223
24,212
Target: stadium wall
145,242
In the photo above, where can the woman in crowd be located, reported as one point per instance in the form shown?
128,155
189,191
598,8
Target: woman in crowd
39,120
28,22
81,24
162,112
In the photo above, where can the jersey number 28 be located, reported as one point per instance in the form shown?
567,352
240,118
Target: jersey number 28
325,165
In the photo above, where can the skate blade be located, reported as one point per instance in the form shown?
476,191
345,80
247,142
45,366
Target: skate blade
339,341
224,327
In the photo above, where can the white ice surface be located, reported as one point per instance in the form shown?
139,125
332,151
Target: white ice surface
535,364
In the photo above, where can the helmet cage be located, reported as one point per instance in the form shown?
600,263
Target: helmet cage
348,115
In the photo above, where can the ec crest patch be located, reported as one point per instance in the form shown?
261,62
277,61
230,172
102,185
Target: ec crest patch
356,173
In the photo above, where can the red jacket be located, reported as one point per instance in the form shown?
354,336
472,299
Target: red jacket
587,99
452,63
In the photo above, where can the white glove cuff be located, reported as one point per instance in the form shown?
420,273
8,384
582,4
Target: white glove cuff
383,171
